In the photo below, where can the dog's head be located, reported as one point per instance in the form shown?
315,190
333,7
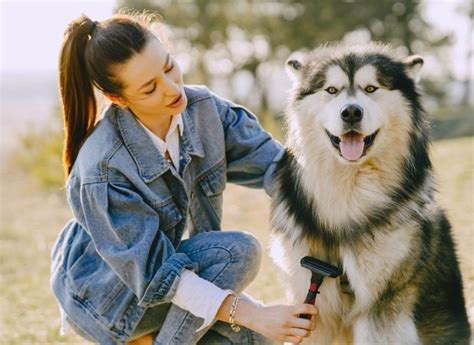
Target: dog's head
355,101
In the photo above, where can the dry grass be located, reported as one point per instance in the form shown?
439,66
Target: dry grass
454,166
31,219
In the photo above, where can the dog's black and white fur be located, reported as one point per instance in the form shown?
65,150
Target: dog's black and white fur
355,188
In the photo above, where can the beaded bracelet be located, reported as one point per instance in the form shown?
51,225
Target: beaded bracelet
235,327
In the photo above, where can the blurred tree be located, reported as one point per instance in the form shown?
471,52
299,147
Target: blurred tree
468,10
247,38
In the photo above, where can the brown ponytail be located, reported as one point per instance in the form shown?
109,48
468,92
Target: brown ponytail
75,86
88,52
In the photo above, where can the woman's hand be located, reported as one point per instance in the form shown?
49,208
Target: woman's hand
280,322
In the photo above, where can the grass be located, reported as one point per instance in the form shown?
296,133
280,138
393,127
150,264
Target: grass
31,219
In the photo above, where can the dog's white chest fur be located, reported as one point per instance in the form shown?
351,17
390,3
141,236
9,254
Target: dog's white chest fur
367,269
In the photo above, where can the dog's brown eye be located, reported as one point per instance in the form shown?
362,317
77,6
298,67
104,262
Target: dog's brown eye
332,90
371,89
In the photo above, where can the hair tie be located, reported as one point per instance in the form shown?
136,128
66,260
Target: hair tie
94,24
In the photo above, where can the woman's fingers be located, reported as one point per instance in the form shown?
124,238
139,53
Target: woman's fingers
301,328
293,339
305,309
298,332
283,323
303,323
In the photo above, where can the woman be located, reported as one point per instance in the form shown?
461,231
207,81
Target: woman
151,169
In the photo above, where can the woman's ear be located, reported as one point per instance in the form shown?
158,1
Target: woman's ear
115,99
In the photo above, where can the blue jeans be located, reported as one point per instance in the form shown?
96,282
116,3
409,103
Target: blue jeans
229,259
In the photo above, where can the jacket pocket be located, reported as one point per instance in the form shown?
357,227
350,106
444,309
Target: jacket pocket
169,214
213,183
212,186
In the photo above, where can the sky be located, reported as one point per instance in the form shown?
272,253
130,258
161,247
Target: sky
31,31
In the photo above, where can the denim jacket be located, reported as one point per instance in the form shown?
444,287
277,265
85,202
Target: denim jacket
117,256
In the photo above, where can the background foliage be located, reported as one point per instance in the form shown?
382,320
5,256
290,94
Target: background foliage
243,43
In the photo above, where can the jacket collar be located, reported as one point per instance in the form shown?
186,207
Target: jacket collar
150,162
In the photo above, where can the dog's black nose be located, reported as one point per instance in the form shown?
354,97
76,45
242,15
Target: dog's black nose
352,113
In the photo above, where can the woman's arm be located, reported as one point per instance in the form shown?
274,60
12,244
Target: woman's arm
199,296
280,322
251,152
206,300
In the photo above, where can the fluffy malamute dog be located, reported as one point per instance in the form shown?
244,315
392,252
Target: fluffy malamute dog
355,188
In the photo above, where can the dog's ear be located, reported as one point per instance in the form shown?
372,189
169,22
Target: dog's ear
413,65
294,66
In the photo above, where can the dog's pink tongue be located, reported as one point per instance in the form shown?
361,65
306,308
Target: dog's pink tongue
352,146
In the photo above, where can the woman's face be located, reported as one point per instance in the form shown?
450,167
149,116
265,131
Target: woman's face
153,83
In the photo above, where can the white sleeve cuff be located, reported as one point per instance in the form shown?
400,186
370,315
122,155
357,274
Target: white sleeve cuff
199,296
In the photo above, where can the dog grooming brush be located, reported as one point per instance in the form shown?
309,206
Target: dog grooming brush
319,269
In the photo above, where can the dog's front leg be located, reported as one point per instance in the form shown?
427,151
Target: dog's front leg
372,330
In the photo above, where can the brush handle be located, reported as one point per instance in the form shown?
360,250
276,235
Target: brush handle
311,297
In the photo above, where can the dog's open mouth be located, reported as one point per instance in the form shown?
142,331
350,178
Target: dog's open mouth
352,145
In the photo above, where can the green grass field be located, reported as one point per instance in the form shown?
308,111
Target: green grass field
31,219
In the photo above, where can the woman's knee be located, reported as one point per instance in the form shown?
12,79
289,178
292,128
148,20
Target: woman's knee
231,259
247,255
249,249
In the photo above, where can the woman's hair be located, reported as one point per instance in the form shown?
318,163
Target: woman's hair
89,52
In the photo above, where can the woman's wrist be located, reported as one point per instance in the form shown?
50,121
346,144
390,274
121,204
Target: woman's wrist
243,315
246,313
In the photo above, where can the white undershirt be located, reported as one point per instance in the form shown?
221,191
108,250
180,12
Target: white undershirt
195,294
171,142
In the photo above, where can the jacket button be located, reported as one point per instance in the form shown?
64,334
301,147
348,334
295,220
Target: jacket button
192,195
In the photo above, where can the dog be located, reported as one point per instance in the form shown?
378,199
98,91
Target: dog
355,188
